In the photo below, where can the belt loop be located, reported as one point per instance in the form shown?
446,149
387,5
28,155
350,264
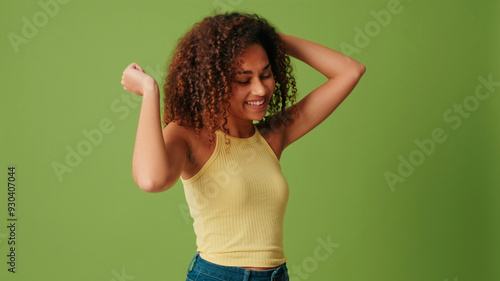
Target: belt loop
275,275
192,261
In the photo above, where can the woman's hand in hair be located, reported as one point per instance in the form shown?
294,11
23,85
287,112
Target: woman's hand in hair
136,81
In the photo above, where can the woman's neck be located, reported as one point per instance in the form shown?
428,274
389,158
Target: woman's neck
240,128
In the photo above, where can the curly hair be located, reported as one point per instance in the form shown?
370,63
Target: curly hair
198,84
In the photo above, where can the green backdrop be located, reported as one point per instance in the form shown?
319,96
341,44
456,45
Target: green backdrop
400,183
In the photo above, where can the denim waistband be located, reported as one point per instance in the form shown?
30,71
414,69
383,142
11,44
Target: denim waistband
218,271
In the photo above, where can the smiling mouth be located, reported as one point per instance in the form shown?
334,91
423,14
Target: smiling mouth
257,103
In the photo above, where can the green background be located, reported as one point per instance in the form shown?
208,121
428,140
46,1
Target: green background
94,223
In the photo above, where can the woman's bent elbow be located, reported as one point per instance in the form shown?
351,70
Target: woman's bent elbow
362,69
359,70
153,185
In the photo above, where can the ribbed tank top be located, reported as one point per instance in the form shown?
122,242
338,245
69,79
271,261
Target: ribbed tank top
238,201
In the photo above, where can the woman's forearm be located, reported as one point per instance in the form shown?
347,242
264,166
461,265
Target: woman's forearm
325,60
149,163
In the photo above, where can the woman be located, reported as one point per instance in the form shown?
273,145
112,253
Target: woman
228,71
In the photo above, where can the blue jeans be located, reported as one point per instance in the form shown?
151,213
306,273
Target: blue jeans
203,270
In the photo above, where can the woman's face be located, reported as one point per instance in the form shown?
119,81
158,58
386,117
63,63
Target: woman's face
253,87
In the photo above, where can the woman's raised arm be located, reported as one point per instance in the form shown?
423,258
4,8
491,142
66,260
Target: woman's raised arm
343,74
158,157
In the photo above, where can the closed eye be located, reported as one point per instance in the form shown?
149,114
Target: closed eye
246,82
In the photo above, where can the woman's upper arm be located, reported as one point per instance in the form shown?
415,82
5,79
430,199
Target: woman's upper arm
176,151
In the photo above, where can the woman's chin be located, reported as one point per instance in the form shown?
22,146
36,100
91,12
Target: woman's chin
258,117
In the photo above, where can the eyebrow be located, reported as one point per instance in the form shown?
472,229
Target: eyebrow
250,72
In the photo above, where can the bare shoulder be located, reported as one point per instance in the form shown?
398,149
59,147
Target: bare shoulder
197,148
175,134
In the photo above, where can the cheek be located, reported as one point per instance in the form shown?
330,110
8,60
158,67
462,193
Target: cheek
236,97
237,94
271,84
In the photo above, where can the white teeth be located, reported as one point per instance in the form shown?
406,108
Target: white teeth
256,103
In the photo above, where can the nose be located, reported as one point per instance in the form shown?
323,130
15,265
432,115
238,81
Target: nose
258,88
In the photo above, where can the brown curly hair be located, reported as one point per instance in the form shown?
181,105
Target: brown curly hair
198,84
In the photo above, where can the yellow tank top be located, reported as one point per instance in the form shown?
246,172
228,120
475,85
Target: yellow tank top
238,201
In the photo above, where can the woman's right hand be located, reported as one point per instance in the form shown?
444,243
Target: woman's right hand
136,81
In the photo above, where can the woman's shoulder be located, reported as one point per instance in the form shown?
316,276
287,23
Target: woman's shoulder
198,147
174,131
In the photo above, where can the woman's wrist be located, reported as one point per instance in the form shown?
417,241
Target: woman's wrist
150,87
